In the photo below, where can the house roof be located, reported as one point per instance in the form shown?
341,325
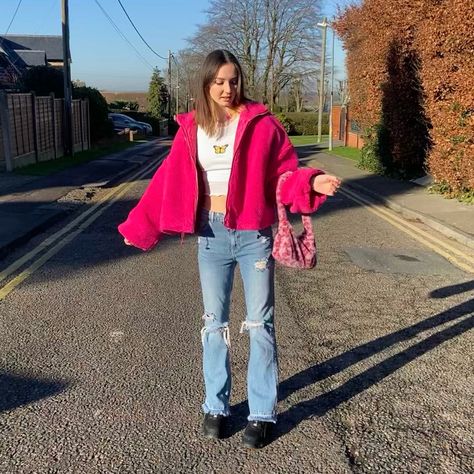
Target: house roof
51,46
32,58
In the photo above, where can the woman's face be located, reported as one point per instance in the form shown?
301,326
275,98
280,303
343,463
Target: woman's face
223,89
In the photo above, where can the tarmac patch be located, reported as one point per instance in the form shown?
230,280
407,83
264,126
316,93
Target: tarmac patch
408,261
79,195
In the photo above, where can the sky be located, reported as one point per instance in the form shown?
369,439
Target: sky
100,56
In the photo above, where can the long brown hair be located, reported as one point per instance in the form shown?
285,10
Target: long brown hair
206,110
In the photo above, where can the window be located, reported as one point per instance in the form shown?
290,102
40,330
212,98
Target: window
354,126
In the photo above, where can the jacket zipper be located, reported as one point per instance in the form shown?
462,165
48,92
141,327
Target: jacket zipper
193,158
233,159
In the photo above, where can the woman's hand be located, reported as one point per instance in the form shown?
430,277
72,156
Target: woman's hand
127,242
325,184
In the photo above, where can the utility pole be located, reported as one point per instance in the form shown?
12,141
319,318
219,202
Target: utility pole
324,26
271,92
169,89
177,89
177,84
68,145
331,104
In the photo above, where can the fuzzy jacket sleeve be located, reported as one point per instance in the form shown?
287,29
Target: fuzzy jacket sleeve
141,226
296,191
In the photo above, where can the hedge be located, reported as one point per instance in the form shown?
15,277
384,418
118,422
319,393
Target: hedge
303,123
411,78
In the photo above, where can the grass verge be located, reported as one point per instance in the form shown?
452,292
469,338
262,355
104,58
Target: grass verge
46,168
345,152
299,140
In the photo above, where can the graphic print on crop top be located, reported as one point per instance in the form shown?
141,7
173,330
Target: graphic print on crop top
215,154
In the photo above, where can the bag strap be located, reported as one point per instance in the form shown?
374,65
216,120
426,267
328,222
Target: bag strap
282,216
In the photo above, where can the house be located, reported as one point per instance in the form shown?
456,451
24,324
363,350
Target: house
20,52
345,128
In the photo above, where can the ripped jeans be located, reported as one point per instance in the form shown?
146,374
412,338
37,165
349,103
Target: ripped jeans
220,250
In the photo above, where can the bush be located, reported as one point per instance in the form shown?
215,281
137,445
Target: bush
287,123
306,123
42,80
173,128
464,195
374,144
100,125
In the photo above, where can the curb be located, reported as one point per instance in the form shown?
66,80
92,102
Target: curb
32,232
444,229
107,183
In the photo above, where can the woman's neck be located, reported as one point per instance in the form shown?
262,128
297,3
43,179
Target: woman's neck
226,115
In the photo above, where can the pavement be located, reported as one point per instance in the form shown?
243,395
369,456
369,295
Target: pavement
413,201
28,204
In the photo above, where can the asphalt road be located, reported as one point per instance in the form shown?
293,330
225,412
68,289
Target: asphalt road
100,352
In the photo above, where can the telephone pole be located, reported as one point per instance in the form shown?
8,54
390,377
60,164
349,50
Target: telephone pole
169,91
177,89
68,145
324,26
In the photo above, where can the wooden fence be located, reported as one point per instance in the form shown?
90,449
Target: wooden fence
31,128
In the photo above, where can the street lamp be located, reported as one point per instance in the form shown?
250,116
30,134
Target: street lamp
331,100
324,26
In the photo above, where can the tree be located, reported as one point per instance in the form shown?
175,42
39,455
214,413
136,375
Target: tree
274,40
100,125
158,95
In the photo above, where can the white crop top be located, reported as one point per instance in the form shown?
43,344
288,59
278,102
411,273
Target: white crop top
215,154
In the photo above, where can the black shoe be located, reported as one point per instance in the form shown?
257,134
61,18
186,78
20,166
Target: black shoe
257,434
212,426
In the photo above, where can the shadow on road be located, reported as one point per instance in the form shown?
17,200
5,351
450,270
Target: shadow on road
17,391
320,405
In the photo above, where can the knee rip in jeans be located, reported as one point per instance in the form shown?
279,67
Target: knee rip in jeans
223,329
248,325
209,317
262,264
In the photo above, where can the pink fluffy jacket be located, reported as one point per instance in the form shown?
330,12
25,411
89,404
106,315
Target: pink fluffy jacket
262,152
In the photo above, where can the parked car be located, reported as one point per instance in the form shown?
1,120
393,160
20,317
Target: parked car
148,127
122,121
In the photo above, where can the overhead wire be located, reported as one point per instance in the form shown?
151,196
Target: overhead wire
12,63
117,29
14,16
139,34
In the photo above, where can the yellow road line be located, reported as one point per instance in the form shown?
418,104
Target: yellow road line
116,194
438,246
408,224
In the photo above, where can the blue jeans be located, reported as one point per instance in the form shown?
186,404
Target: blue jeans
220,249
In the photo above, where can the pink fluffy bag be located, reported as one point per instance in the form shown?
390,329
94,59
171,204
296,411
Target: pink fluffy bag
290,250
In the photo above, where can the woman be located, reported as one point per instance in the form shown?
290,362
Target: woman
220,180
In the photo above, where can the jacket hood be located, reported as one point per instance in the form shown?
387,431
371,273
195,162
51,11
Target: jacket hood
250,110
